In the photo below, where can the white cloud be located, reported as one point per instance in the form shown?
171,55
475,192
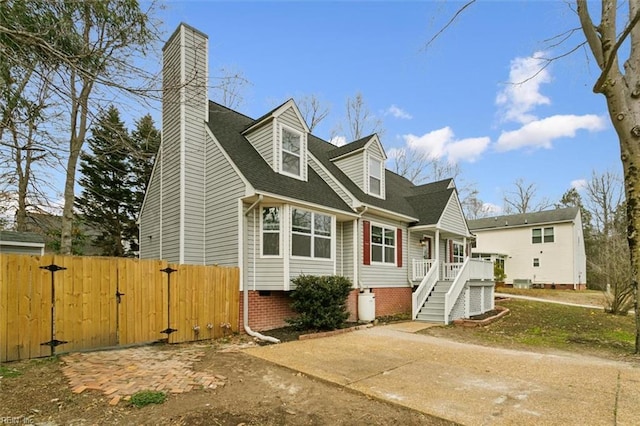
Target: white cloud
541,133
491,209
398,112
338,140
522,92
442,143
579,184
467,149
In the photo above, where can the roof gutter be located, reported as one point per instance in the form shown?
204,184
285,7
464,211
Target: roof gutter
245,295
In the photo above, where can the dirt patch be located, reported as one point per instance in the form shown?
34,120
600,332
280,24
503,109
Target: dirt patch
255,392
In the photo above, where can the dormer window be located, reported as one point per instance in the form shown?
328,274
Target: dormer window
291,160
375,177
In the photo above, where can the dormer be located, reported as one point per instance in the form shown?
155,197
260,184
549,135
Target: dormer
363,161
280,137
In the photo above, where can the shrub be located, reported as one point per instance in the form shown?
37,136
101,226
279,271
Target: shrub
143,398
320,301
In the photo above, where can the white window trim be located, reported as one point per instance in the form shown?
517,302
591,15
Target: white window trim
312,235
542,235
271,256
395,245
369,176
281,151
453,255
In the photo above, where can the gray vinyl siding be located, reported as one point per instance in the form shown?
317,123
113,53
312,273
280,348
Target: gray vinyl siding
330,181
375,150
262,141
339,248
290,118
194,147
223,189
347,252
150,216
377,275
308,266
170,194
263,273
452,219
353,167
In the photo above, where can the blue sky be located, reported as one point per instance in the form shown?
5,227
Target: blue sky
453,101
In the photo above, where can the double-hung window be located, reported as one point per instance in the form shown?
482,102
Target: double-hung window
310,234
458,252
291,152
270,231
383,244
539,235
375,176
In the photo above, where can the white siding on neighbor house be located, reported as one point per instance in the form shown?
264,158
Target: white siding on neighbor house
150,237
262,273
171,152
580,256
223,189
452,219
556,259
353,167
379,275
262,140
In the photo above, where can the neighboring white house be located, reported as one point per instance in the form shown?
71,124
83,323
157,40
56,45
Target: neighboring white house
541,249
269,197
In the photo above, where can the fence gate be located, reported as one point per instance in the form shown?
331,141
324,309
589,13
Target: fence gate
103,302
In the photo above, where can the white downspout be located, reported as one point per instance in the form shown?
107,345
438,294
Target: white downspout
245,293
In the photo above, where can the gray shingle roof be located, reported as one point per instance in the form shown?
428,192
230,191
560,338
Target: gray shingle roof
20,237
525,219
424,202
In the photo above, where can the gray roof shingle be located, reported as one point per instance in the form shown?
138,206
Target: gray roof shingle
424,202
525,219
21,237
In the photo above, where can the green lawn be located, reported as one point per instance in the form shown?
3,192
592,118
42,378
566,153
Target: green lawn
543,326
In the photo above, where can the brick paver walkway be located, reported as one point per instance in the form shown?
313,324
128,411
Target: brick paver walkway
121,373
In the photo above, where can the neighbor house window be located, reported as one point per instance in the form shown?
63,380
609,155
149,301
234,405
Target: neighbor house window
548,235
383,244
536,262
270,231
539,235
375,176
291,152
310,234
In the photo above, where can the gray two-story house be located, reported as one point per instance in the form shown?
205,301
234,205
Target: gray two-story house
269,197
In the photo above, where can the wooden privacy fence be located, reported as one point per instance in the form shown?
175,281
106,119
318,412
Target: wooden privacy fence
102,302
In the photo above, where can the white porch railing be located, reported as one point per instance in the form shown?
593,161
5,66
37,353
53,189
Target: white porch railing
450,270
420,267
427,284
471,269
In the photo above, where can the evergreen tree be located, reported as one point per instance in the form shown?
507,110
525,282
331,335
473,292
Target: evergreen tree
107,202
145,144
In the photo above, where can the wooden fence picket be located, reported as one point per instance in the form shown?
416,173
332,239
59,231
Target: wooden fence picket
87,313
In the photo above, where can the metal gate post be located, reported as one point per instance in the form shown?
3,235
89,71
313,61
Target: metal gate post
168,270
53,342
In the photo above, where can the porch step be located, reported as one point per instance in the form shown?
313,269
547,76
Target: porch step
433,308
438,319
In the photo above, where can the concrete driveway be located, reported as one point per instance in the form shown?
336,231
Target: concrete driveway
468,384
